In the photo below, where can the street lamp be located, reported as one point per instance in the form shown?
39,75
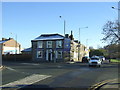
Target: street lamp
80,43
64,24
118,20
115,8
15,43
79,32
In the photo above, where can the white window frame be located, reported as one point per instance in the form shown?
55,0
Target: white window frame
39,52
57,54
40,44
59,43
49,44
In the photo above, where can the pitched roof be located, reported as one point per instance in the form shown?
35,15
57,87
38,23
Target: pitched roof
26,50
3,41
49,37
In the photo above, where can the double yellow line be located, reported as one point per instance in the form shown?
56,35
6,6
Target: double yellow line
98,85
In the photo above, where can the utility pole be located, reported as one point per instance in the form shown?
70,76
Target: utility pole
64,25
118,18
79,43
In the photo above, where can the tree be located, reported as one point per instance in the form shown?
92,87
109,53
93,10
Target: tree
111,30
96,52
113,51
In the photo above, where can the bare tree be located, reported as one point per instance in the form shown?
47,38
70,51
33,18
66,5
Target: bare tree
111,31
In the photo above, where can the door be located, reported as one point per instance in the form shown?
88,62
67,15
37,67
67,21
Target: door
49,55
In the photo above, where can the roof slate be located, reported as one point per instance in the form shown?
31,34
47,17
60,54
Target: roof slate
26,50
49,37
3,41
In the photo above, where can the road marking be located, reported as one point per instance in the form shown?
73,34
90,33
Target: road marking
30,64
11,69
26,81
17,71
96,86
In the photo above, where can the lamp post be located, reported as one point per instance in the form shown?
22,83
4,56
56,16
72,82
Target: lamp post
118,19
87,43
80,43
15,45
79,32
115,8
64,25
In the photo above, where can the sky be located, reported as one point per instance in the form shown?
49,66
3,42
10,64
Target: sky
28,20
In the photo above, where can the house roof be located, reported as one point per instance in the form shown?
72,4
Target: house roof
26,50
3,41
49,37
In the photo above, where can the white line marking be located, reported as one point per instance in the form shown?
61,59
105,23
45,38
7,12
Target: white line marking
30,64
26,81
17,71
11,69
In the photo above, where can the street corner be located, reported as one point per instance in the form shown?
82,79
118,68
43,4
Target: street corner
70,62
107,84
2,67
113,84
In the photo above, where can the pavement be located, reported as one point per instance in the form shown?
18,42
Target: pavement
113,84
1,67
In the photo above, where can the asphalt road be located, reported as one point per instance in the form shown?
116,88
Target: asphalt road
58,75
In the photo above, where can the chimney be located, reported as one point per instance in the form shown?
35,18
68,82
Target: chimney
3,39
10,38
66,35
71,36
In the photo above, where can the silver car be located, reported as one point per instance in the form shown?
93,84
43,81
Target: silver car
95,61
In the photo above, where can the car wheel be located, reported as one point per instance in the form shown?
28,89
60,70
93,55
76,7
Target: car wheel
89,65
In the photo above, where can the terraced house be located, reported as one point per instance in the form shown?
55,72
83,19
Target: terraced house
9,46
55,48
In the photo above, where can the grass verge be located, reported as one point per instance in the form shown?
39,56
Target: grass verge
115,60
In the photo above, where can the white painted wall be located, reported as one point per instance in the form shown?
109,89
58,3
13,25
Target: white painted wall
11,50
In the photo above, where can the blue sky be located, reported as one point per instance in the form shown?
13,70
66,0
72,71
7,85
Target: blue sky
28,20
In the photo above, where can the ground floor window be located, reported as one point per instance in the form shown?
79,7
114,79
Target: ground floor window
39,54
59,54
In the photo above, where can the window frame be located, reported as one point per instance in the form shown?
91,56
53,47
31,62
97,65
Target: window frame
57,55
40,53
49,44
59,42
40,44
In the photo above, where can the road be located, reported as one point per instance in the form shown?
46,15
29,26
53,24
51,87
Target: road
21,75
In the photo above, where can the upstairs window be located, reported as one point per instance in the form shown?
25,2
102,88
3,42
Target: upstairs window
40,44
59,44
49,44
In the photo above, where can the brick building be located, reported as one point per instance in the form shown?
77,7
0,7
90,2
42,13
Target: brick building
56,48
9,46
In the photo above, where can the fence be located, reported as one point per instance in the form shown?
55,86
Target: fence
17,57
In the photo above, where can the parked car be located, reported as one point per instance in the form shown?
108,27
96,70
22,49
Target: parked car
102,58
95,61
85,59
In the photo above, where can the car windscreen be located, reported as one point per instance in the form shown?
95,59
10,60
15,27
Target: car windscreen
94,58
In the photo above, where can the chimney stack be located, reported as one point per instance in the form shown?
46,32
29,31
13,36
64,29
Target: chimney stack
3,39
66,35
10,38
71,36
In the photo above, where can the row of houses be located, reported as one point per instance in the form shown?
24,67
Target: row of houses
48,48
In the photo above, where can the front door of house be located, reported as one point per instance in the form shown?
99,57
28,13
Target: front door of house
49,55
